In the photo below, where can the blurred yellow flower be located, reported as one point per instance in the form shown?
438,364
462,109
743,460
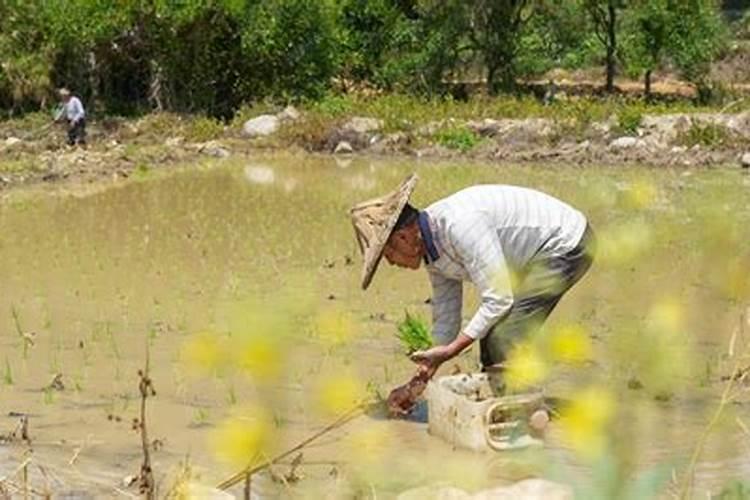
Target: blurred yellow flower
525,367
204,352
571,344
623,244
261,356
586,419
340,393
242,440
334,326
642,194
666,315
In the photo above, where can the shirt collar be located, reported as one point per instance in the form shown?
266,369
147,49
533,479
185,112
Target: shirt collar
429,241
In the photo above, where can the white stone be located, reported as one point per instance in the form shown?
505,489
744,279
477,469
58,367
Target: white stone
174,141
745,160
626,142
343,147
363,125
10,141
289,114
259,126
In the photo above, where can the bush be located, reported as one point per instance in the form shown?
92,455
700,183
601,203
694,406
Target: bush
704,134
459,138
203,129
629,119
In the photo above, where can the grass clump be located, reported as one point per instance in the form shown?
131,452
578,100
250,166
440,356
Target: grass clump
204,129
629,119
458,138
414,334
704,134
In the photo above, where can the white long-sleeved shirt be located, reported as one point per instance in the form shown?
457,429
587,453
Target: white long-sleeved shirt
73,110
481,234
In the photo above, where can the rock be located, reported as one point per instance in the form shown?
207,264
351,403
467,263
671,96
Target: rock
213,148
11,141
260,126
745,160
174,141
363,125
343,147
626,142
289,114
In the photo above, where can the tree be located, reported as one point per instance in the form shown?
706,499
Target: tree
605,14
649,28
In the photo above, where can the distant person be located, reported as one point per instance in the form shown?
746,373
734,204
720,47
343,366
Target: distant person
72,111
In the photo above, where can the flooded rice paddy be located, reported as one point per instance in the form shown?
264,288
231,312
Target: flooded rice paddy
240,282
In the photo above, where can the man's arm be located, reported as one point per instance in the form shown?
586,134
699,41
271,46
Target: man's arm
479,250
447,297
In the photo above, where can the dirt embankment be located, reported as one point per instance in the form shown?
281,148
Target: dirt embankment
120,149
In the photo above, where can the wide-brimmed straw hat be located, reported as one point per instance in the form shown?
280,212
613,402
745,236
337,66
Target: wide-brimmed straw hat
374,221
63,92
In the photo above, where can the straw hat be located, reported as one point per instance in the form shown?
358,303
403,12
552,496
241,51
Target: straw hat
63,92
374,221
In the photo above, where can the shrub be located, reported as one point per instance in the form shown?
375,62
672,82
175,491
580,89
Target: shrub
459,138
203,129
704,134
629,119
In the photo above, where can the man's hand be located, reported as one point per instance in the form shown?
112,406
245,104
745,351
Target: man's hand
431,359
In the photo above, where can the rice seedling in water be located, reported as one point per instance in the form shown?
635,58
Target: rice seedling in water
414,334
8,375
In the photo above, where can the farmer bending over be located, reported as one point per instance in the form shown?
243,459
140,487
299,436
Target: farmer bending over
72,111
522,250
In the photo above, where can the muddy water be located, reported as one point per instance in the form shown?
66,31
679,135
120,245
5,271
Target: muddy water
97,281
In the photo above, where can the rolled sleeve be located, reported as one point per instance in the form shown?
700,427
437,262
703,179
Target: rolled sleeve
447,296
482,256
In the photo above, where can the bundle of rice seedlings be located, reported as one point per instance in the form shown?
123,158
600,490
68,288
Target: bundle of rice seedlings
414,334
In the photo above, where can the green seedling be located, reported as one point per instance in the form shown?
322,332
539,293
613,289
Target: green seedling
8,374
414,334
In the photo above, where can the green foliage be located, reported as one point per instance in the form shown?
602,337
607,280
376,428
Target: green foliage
704,134
203,129
413,334
629,119
736,490
460,138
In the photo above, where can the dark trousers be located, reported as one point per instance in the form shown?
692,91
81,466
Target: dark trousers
77,132
543,283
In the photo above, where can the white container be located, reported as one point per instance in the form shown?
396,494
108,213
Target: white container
464,412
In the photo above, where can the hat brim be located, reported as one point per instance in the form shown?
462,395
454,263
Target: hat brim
374,254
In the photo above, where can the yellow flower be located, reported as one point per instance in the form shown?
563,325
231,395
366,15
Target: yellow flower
242,440
525,367
203,351
666,316
261,357
642,193
334,326
339,394
571,344
585,420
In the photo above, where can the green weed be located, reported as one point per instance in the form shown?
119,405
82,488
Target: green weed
203,129
704,134
8,373
628,120
459,138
